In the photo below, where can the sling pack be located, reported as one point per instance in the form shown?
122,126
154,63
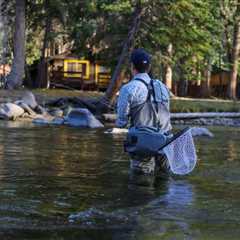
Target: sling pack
144,141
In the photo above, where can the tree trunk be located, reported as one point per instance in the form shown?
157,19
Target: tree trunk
183,88
205,84
115,80
183,83
232,88
3,42
168,68
15,78
42,66
227,23
4,33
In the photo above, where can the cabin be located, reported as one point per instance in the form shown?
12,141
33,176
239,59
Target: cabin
77,73
219,81
69,71
4,71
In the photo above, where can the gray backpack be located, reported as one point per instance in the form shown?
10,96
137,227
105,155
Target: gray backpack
154,112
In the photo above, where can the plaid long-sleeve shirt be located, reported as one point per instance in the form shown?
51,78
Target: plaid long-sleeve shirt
133,94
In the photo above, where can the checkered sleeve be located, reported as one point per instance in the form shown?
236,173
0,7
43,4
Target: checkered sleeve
123,107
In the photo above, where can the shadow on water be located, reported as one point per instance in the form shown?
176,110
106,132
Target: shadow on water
66,183
151,207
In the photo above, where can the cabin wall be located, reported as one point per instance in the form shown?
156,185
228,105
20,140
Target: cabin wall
89,76
219,84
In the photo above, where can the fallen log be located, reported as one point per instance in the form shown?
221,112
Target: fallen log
205,115
76,101
181,116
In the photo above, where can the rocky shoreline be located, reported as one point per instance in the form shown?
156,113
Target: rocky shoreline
196,121
38,109
231,122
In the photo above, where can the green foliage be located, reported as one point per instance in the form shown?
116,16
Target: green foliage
98,28
189,25
198,30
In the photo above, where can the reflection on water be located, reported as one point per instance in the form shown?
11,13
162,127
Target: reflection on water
68,183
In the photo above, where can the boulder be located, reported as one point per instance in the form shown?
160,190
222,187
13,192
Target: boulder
82,117
201,131
10,111
40,110
41,121
57,112
25,107
29,99
57,121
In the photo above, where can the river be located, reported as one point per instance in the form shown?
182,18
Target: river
70,183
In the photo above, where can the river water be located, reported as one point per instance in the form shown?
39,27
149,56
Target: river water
69,183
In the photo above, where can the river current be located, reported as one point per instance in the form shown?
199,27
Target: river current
71,183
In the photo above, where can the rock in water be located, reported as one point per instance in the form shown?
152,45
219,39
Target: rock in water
201,131
82,117
25,107
10,111
29,99
57,121
41,121
56,112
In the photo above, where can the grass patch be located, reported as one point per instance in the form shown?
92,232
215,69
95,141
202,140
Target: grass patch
204,105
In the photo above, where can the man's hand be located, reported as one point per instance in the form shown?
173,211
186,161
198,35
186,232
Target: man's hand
116,130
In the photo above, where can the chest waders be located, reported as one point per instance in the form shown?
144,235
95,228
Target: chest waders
149,123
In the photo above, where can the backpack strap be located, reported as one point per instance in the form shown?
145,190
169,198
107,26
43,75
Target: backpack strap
142,81
151,93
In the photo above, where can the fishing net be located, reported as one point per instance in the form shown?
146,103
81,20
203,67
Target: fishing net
181,153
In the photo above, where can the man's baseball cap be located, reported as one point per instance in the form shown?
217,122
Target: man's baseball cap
140,57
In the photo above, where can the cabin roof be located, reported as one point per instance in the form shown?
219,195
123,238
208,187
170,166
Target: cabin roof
63,56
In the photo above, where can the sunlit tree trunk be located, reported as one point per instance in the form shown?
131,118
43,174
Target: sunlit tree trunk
232,89
15,78
168,68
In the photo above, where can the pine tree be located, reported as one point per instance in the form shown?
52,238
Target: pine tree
15,78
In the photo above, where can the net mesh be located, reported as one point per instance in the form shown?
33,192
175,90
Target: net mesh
181,154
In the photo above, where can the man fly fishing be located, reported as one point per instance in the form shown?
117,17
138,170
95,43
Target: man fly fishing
144,102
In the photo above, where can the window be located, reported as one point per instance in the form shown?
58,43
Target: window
76,68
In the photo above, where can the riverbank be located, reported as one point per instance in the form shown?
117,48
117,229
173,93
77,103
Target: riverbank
45,95
185,111
178,105
196,119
